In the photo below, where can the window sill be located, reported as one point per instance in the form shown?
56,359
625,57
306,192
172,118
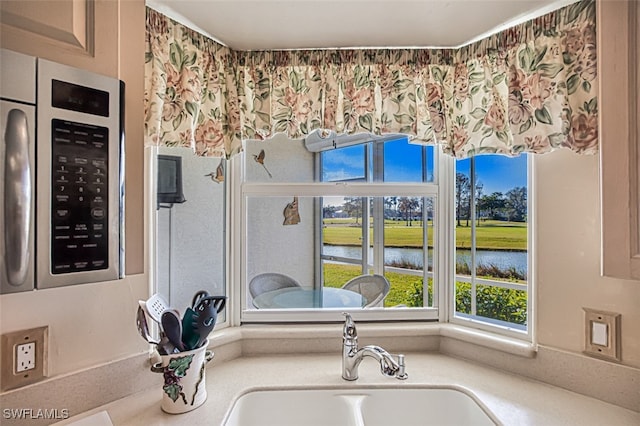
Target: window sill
295,338
489,340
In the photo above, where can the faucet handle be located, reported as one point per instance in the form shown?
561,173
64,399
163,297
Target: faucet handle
349,330
401,374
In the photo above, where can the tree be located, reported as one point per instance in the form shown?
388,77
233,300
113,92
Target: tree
492,204
516,204
428,208
407,205
391,203
329,211
463,196
353,207
420,209
478,196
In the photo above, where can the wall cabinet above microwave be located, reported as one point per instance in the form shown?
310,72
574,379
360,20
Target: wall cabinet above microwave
619,70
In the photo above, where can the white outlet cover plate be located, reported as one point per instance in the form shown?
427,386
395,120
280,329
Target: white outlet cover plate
25,357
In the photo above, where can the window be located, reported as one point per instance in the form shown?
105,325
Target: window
313,222
491,240
389,235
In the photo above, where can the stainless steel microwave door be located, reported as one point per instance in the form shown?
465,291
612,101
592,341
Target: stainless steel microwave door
17,212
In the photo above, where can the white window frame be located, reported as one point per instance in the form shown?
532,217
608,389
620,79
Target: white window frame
442,191
503,329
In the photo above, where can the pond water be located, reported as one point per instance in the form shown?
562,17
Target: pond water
501,259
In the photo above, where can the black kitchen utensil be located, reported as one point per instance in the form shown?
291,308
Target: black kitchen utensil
218,302
203,319
173,328
190,335
196,297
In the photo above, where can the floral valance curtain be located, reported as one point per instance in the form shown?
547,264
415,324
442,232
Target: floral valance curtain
190,93
531,88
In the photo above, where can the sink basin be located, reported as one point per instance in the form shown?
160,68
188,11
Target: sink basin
359,407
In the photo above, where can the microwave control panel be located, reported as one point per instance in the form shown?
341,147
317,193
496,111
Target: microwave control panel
80,187
79,210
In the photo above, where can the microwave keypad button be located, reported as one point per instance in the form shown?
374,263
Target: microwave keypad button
61,267
84,191
97,213
62,213
80,265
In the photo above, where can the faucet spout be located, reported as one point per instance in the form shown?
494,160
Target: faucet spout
352,356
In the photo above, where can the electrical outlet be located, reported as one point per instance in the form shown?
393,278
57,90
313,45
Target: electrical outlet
23,357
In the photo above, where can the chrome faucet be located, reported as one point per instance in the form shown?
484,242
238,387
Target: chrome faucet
352,356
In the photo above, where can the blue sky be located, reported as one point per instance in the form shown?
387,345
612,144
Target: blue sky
497,173
403,163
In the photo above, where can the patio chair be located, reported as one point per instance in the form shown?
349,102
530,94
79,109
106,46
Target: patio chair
270,281
374,288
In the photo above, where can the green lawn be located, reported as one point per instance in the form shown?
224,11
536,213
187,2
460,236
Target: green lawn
492,302
492,235
402,285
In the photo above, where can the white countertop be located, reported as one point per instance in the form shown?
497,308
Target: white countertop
512,399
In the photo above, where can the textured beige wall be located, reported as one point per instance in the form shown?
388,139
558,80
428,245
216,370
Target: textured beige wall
568,257
89,324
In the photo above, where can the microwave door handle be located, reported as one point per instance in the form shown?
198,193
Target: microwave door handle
17,197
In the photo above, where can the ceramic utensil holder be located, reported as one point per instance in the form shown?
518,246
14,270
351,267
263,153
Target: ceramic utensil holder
184,386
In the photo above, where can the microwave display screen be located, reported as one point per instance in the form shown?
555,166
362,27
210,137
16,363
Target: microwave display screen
79,200
79,98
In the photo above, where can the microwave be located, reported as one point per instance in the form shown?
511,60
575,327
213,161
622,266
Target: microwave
61,157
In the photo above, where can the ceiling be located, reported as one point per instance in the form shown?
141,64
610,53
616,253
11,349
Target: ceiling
312,24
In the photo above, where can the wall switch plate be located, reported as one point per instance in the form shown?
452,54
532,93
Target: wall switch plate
23,357
602,334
